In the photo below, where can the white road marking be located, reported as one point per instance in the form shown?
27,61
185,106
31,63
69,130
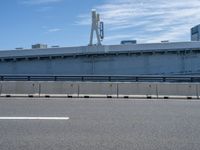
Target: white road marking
34,118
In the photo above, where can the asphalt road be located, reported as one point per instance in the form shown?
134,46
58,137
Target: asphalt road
100,124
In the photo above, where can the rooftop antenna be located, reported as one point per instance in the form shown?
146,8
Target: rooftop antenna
97,27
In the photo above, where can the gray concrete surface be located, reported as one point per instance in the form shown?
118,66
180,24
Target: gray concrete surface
134,59
99,89
100,124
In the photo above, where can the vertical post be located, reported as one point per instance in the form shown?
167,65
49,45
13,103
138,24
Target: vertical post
157,91
78,90
29,78
192,79
0,89
117,90
39,89
197,90
164,79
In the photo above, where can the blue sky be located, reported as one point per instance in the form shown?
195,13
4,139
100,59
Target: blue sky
67,22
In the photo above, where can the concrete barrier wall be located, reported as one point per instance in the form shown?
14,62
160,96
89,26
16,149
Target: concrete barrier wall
19,88
178,90
58,89
94,89
137,89
101,89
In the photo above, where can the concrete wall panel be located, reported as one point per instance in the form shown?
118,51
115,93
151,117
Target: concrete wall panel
177,90
98,89
58,89
137,89
19,88
107,65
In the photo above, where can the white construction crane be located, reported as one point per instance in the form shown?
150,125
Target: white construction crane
97,27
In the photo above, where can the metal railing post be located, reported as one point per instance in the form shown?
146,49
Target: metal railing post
39,92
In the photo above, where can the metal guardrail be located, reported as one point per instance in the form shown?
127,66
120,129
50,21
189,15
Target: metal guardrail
101,78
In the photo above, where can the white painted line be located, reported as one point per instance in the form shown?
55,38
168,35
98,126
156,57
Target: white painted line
34,118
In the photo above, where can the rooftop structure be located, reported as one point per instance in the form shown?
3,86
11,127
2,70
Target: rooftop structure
104,49
39,46
195,33
125,42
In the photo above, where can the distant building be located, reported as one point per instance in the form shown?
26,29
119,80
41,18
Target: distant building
39,46
19,48
127,42
195,33
55,46
165,41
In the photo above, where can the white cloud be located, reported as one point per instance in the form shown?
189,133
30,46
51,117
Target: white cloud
36,2
148,20
54,30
